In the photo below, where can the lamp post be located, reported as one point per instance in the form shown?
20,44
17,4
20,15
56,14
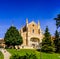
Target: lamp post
40,50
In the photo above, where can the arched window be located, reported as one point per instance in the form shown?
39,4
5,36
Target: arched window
39,31
33,30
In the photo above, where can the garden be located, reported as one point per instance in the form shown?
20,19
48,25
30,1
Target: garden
39,55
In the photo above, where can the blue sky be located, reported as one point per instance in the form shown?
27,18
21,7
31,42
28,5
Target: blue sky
18,10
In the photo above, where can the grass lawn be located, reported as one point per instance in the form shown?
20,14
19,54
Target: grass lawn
44,55
1,56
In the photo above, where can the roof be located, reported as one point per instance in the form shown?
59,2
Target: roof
2,41
32,23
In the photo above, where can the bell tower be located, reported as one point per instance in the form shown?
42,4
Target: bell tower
27,31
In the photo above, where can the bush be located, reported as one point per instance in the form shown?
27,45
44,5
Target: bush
15,56
47,49
27,56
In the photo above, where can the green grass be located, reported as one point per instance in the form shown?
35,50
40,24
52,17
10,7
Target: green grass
1,56
43,55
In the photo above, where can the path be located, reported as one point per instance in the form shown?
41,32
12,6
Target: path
5,53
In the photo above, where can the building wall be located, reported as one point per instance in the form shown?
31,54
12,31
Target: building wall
2,43
32,31
32,27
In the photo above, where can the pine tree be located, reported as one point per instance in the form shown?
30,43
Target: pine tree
57,21
47,45
57,42
12,37
57,34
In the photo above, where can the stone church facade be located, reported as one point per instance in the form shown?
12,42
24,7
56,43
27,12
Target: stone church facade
32,35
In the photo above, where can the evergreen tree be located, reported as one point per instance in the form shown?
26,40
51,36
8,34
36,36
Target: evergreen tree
57,42
57,20
57,34
47,45
12,37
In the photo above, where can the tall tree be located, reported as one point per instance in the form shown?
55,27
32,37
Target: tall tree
57,20
47,45
57,34
57,42
12,37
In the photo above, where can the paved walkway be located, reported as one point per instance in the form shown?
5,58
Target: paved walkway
5,53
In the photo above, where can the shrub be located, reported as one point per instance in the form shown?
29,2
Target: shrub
27,56
47,49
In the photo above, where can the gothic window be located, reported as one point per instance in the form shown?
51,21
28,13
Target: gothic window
33,30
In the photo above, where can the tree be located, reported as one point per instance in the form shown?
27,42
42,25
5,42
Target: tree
57,42
57,34
57,20
47,45
12,37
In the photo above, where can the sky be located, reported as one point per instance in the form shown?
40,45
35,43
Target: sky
16,12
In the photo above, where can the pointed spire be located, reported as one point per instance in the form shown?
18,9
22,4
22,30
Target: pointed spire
27,22
38,24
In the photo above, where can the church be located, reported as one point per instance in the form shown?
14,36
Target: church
32,35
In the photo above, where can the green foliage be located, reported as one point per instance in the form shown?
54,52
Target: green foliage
57,42
57,20
15,56
27,56
47,44
1,55
23,52
12,37
57,39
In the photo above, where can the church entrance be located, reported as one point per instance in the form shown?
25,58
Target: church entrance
34,42
33,45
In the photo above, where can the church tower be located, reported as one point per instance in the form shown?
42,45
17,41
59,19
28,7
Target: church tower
27,31
38,26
